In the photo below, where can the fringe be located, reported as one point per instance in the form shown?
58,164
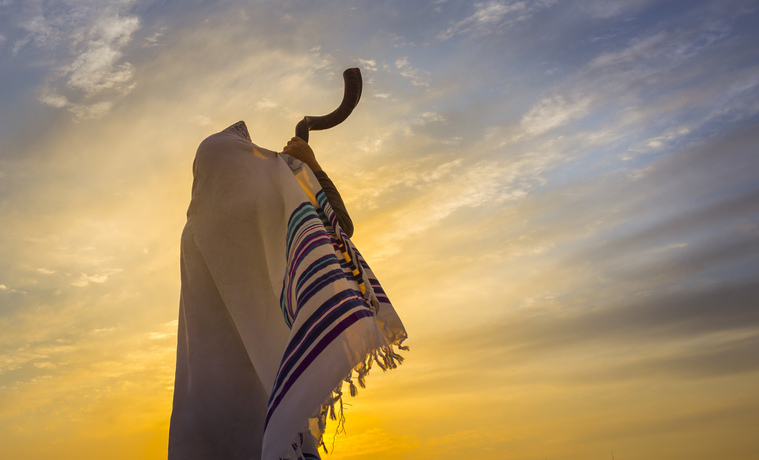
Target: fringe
386,358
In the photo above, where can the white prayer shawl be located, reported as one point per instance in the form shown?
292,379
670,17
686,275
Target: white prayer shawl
277,308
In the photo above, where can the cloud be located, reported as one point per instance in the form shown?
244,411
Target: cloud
491,16
53,99
45,365
368,64
552,112
85,280
202,120
266,104
167,330
607,9
658,75
96,35
428,117
705,216
436,190
96,69
413,74
153,40
96,110
700,334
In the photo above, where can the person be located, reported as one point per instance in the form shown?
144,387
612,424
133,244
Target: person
277,307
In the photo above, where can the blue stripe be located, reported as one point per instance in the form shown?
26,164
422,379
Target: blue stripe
286,297
329,321
323,343
319,283
300,216
317,265
330,219
306,246
312,336
337,298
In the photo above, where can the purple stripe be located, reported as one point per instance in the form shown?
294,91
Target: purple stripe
312,326
303,231
294,227
323,343
314,239
318,284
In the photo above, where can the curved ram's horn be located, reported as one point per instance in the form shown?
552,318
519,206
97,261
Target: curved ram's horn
353,85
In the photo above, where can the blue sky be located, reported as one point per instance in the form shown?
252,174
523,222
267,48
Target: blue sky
560,197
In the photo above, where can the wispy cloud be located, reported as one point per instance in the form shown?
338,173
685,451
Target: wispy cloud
95,35
154,40
85,280
620,83
96,68
552,112
609,8
418,77
488,17
368,64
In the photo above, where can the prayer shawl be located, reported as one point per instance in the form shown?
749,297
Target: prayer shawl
277,309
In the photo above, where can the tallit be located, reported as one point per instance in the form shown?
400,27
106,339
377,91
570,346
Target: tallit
277,308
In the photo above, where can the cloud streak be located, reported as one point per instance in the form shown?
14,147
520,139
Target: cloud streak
490,16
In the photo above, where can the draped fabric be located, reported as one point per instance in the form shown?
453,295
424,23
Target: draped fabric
277,310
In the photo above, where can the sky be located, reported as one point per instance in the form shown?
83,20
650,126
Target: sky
561,199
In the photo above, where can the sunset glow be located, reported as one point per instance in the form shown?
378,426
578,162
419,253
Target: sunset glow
561,199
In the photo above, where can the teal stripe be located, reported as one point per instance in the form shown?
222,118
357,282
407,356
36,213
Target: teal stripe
306,213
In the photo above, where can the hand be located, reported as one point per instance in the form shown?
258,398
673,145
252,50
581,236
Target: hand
298,148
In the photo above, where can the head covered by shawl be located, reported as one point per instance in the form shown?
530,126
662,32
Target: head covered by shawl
278,308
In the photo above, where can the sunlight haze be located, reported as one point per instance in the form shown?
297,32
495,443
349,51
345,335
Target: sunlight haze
561,199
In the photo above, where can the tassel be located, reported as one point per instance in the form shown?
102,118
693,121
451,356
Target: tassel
388,360
377,360
332,411
354,390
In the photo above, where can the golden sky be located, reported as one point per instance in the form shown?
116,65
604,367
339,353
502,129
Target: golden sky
561,198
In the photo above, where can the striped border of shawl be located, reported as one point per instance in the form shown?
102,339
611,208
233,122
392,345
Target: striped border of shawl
330,332
305,232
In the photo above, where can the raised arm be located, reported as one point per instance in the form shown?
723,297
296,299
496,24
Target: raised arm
299,149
